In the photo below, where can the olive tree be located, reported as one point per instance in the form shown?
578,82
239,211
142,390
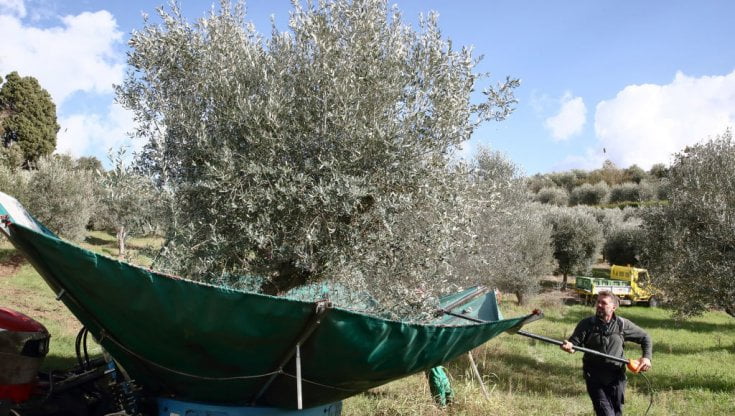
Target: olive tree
511,243
690,243
128,202
61,196
322,152
527,253
14,182
576,238
624,244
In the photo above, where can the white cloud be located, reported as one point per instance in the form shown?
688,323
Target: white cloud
646,124
570,119
82,54
13,8
90,134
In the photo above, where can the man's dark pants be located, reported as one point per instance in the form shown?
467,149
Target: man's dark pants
607,399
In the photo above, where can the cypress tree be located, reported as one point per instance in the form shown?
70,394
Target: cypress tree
27,118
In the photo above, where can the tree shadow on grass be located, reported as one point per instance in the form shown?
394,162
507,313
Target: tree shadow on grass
675,349
10,257
517,372
647,322
96,241
676,324
58,362
683,381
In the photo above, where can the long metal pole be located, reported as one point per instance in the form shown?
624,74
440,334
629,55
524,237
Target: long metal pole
583,349
299,400
538,315
321,308
478,376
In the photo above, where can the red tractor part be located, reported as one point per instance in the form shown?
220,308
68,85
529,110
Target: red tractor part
23,345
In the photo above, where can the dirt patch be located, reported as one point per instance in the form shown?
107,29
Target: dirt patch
11,264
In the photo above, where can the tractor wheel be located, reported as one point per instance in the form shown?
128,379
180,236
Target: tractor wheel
653,302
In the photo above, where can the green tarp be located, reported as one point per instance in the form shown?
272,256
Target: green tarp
193,341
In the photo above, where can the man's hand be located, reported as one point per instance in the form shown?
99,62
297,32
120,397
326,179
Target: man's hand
645,364
569,347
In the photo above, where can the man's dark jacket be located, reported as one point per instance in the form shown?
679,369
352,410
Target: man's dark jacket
608,338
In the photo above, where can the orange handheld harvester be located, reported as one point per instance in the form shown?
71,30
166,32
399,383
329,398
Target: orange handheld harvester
633,365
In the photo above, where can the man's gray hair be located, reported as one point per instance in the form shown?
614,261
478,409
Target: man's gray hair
609,294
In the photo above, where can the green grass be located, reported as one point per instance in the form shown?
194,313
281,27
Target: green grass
693,374
693,364
25,291
140,250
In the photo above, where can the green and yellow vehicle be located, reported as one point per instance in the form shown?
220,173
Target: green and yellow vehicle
624,281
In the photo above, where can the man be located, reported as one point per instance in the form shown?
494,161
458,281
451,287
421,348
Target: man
606,332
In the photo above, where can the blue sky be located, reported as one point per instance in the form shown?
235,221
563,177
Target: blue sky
630,81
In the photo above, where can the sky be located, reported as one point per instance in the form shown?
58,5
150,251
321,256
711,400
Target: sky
628,81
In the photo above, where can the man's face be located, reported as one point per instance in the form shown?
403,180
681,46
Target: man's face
605,308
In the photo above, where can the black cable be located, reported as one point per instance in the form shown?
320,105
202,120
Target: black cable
78,349
50,386
650,391
86,353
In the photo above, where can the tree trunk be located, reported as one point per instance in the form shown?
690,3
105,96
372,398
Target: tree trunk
564,282
288,277
121,242
521,299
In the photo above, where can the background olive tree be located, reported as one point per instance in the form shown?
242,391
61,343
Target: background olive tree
61,195
510,247
128,202
588,194
322,152
14,182
624,243
526,255
552,195
690,243
576,237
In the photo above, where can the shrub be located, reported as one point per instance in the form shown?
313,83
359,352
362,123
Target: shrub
663,190
625,192
587,194
631,213
552,196
566,180
538,181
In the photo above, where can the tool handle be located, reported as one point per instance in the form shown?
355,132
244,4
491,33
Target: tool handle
583,349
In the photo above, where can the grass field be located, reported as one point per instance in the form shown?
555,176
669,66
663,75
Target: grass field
693,365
